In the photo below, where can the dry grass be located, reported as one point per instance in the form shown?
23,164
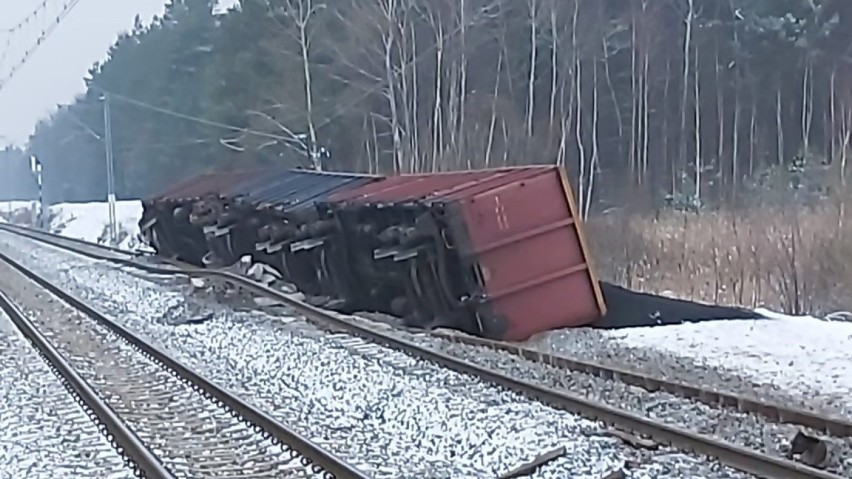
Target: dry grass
795,261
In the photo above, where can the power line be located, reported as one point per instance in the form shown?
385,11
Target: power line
203,121
99,137
27,19
67,7
6,48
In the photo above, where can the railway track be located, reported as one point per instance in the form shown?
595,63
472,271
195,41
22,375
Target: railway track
166,420
831,425
37,400
744,459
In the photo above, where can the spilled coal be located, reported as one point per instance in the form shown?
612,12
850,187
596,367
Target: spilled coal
631,309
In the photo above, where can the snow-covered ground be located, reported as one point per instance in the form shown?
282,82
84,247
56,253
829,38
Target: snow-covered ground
800,362
805,355
89,221
7,207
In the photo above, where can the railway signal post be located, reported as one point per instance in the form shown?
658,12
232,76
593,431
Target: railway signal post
110,168
39,219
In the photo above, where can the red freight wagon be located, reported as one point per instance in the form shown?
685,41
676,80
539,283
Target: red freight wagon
518,232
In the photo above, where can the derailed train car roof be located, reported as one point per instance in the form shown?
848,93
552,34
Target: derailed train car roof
433,186
204,184
296,188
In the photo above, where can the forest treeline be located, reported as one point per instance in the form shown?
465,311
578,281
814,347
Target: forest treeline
682,100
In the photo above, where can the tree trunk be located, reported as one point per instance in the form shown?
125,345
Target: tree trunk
533,4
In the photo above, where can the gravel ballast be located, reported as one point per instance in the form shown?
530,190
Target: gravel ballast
730,425
44,432
385,412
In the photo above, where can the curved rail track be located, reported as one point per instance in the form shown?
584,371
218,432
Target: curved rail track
166,420
744,459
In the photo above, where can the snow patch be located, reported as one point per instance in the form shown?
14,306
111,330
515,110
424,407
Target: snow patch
87,221
781,316
11,206
798,353
90,221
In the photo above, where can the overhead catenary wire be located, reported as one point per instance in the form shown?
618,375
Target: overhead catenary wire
27,18
90,131
199,120
6,48
288,142
67,7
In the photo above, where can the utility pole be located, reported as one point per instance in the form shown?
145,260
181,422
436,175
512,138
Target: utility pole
110,168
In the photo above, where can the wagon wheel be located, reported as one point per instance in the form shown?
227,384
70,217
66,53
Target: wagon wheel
322,272
303,280
436,268
285,267
229,245
415,280
415,291
155,242
411,310
341,274
329,282
444,277
421,273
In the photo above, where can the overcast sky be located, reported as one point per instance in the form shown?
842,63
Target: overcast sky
55,72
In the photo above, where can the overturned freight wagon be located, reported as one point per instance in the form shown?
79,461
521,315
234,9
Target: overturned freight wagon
166,217
263,216
498,253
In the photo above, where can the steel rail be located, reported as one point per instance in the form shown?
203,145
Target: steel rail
825,423
743,459
259,419
26,231
831,425
133,447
